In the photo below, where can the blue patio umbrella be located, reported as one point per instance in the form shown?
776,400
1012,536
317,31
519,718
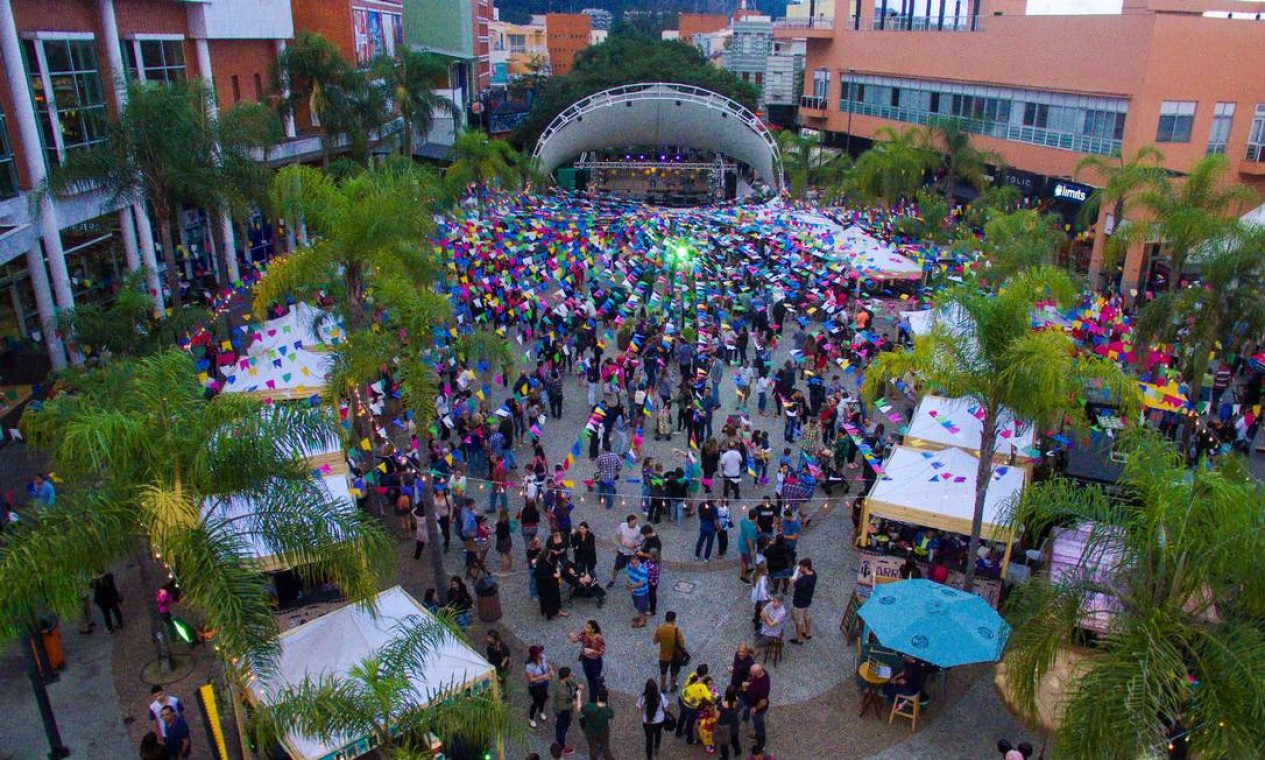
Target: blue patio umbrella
944,626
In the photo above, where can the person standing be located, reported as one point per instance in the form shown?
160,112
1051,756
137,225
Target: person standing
650,553
596,719
639,586
727,724
671,651
159,699
802,587
608,470
706,531
553,389
498,488
748,533
547,587
566,700
584,546
731,470
498,653
592,650
653,704
627,541
176,740
756,693
724,521
538,673
696,691
107,598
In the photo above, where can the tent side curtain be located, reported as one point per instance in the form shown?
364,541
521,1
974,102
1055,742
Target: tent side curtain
925,519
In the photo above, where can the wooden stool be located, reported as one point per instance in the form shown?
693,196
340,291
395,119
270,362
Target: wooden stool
906,706
774,648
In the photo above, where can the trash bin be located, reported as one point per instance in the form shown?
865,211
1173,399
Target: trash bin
50,639
488,599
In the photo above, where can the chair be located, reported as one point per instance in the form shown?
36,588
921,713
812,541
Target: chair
774,648
907,706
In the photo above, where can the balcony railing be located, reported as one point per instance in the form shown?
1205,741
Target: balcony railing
804,23
811,102
916,24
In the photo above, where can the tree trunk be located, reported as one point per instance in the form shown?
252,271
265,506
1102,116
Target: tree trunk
434,549
163,213
407,147
221,273
983,476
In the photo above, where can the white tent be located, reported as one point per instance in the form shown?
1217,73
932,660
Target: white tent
940,422
936,489
886,264
283,373
303,327
334,643
237,509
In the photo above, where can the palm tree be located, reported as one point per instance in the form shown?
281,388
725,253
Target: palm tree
800,159
127,326
992,356
960,159
377,699
147,450
892,169
932,222
410,79
1225,307
480,162
161,150
313,74
1120,183
1019,240
1186,213
1180,563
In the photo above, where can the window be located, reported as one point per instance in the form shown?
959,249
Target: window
821,83
1106,124
858,92
259,88
759,79
237,89
1036,115
518,43
1177,117
154,60
935,103
1256,138
895,99
1219,135
69,98
8,171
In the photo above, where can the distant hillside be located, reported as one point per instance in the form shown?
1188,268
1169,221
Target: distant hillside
519,11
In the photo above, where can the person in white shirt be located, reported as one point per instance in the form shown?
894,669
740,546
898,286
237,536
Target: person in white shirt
731,468
762,387
628,538
162,699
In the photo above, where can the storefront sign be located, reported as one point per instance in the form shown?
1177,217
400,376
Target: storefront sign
1071,191
1025,182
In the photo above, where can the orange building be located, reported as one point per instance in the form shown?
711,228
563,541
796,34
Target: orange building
690,24
566,34
1044,92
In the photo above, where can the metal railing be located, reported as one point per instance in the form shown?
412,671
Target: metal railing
915,24
805,23
813,102
660,91
1103,146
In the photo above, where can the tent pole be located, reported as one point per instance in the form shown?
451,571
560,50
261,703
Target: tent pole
863,533
1005,557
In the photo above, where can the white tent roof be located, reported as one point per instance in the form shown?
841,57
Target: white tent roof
280,373
940,422
886,264
333,644
303,327
936,489
240,506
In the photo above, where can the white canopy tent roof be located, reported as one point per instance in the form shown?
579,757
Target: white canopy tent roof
859,251
283,373
334,643
304,326
936,489
941,422
237,508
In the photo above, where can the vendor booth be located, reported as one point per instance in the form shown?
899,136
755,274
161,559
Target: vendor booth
940,422
922,509
333,644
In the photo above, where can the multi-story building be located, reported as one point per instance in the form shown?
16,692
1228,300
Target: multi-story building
602,18
566,34
65,65
459,30
689,25
775,67
518,50
1043,91
749,49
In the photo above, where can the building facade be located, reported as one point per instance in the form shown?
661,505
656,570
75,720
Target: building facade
1044,92
566,34
518,50
459,30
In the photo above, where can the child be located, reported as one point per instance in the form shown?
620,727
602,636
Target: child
707,726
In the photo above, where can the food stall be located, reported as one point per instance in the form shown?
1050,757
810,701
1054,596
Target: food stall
939,423
932,494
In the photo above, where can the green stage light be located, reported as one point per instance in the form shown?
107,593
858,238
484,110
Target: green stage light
183,630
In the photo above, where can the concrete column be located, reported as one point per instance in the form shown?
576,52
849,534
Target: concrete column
113,52
228,238
291,130
149,257
44,297
127,231
33,153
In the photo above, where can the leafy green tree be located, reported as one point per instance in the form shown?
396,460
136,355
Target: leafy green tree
991,355
481,162
1185,213
145,450
1226,306
1120,182
932,223
960,159
1020,240
1180,562
800,159
127,325
378,699
1003,198
624,59
410,79
313,74
892,169
162,150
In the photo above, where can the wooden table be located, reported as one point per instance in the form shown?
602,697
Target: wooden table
871,696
